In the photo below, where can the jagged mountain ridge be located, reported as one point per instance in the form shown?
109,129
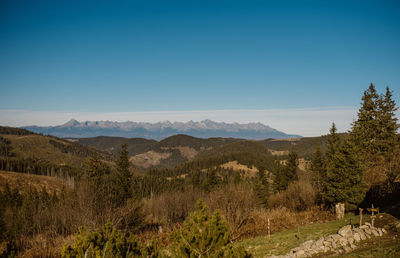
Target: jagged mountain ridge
161,130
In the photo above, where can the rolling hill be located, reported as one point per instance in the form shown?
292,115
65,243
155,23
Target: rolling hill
28,152
178,149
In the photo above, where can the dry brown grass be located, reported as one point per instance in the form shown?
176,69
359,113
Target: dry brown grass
24,182
236,166
282,219
150,158
279,153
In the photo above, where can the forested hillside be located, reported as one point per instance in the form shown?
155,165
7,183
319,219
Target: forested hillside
27,152
241,184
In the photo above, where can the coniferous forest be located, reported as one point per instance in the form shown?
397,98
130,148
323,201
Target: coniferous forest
110,208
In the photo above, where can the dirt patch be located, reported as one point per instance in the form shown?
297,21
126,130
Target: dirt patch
150,158
279,153
304,164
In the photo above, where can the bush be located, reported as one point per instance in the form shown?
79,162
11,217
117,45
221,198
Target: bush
236,204
205,235
109,242
171,207
299,196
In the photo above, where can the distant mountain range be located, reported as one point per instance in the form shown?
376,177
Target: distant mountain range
161,130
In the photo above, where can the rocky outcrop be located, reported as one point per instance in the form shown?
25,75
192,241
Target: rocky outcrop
343,242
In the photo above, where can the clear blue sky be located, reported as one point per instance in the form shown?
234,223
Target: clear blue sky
95,56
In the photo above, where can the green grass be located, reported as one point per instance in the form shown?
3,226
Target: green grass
387,246
282,242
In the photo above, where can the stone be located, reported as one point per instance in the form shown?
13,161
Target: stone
327,243
367,224
353,246
364,227
368,231
357,237
345,231
295,250
320,242
347,249
350,240
307,244
300,253
384,231
343,241
334,245
336,237
362,235
339,208
380,232
375,232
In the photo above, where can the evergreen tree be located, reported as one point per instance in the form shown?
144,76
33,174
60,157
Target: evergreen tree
96,170
366,128
212,180
291,166
344,177
388,138
204,235
318,170
279,176
284,174
374,133
123,177
332,144
261,188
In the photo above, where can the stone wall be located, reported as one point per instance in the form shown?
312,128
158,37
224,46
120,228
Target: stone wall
344,241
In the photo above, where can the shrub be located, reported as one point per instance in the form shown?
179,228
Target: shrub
109,242
236,204
204,234
299,196
171,207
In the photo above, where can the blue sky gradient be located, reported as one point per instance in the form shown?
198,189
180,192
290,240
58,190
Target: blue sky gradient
131,56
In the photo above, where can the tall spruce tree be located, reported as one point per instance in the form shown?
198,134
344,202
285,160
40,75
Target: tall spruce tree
332,143
261,188
291,166
286,173
318,170
123,177
388,138
279,176
366,128
344,177
375,134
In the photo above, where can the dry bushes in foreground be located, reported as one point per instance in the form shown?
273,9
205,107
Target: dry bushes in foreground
237,205
170,207
299,196
282,219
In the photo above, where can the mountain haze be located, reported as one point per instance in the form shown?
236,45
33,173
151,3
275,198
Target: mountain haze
161,130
